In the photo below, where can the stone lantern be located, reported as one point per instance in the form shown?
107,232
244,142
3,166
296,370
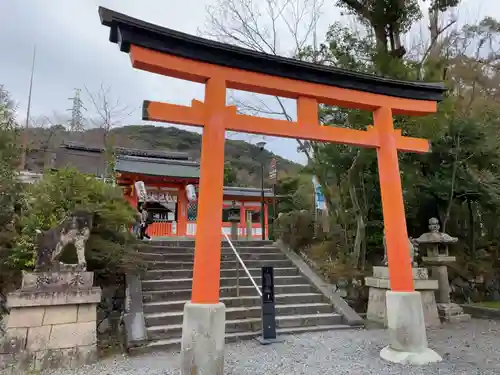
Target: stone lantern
436,244
234,219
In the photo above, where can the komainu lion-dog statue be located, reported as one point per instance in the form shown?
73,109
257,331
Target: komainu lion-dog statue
74,229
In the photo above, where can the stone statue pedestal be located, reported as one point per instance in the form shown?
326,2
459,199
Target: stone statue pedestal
379,284
448,311
52,321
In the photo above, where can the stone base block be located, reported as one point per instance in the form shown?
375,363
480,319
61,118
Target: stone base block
406,358
382,272
69,278
452,313
438,260
203,329
51,323
379,284
406,326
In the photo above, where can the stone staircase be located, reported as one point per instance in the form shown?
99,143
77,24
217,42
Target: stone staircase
166,287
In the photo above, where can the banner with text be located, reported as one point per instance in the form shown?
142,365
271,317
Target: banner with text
319,198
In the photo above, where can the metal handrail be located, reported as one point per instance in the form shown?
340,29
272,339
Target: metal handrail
243,265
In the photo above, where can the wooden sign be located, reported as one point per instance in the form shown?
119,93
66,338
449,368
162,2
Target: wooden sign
273,170
161,196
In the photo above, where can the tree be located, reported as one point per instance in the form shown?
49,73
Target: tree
109,248
109,112
296,193
457,180
265,28
10,187
9,159
230,177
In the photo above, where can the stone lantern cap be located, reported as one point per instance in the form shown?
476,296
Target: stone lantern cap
434,236
234,214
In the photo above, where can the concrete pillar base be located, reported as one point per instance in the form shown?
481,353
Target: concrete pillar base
416,359
406,325
203,328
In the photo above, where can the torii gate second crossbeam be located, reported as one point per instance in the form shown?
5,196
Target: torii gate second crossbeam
220,67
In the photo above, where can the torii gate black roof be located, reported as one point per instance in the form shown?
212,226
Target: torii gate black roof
127,31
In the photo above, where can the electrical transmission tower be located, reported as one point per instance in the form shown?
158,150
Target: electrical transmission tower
76,123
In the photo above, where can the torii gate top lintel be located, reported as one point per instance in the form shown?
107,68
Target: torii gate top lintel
220,66
130,33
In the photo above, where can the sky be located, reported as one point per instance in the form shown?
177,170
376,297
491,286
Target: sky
73,51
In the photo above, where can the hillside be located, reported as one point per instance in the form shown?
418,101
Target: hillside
244,158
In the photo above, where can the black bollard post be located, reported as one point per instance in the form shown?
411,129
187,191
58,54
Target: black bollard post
268,308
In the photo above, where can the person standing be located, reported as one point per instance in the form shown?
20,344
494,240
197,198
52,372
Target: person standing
144,223
136,228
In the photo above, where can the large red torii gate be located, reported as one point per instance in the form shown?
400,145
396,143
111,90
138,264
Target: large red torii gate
221,67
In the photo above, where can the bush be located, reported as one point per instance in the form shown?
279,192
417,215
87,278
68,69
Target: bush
110,246
296,229
10,189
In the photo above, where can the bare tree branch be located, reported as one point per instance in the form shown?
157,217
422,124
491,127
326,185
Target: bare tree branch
110,112
241,22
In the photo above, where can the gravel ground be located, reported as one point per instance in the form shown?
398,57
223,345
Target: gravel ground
472,348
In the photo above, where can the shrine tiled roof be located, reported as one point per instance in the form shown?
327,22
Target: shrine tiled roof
157,167
129,151
246,192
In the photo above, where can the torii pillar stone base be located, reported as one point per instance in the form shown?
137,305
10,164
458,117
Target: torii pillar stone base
203,329
407,335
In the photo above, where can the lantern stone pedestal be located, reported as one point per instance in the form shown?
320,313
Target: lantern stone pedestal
437,245
52,322
379,285
448,311
234,219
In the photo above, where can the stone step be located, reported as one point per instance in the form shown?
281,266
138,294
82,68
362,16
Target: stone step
190,243
186,273
189,257
242,313
162,265
251,324
185,294
224,250
242,301
173,284
175,343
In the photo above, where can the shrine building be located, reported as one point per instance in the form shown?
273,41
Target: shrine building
166,175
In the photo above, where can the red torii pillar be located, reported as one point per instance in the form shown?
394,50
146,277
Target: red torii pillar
221,67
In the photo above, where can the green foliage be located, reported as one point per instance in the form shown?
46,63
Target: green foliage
9,160
456,182
10,188
296,229
49,201
402,14
230,177
296,193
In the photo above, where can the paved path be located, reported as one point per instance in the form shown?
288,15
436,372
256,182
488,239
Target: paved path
471,349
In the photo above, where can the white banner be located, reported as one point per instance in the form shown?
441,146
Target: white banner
191,193
319,198
141,192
